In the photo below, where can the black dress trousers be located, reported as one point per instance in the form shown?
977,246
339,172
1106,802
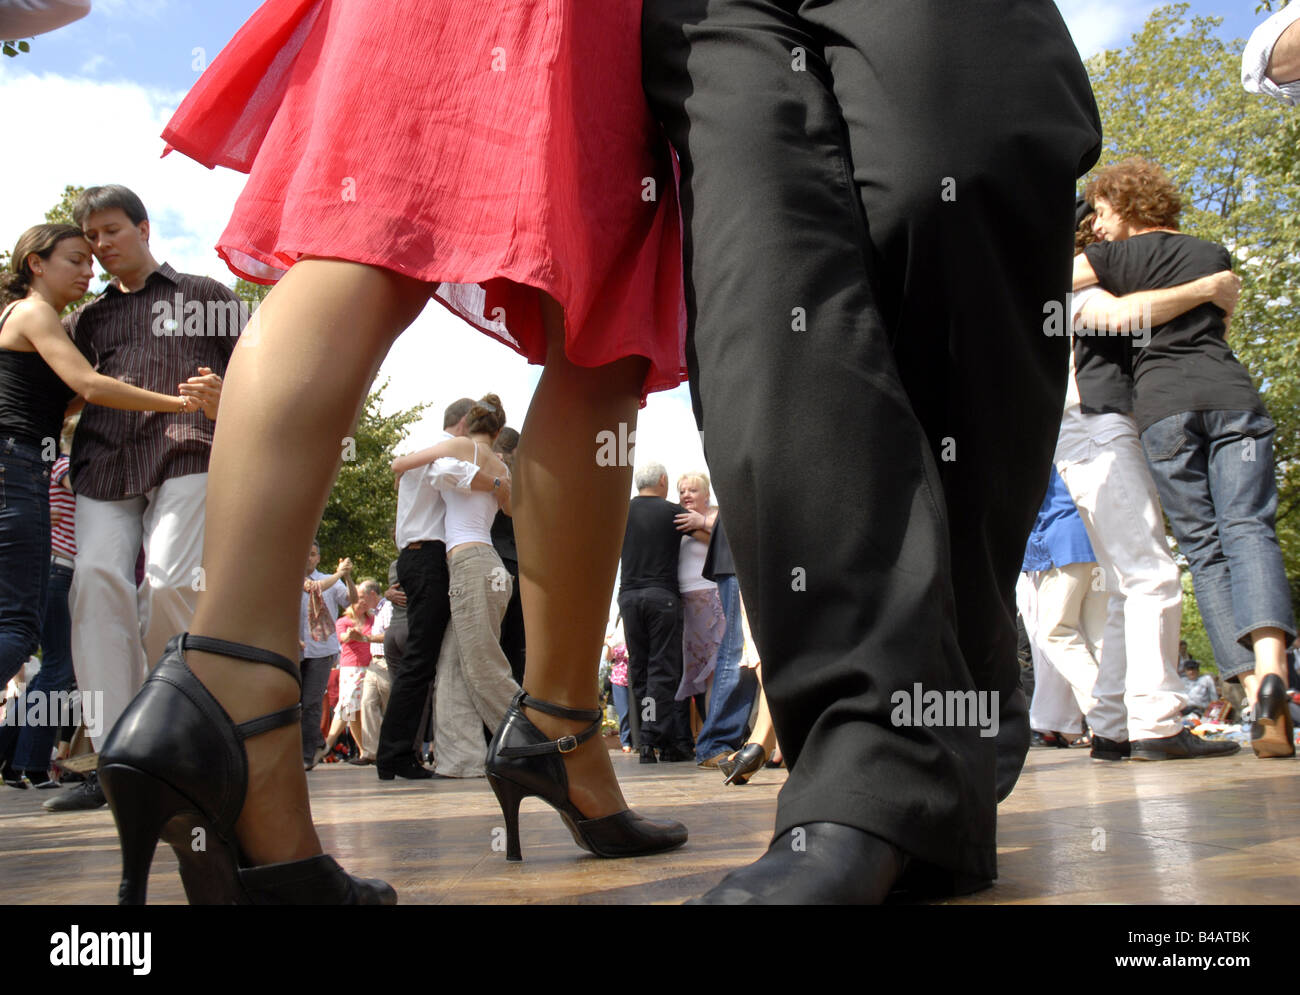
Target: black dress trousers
878,202
423,575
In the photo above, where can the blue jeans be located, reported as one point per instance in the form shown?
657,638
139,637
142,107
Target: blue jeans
24,552
1214,472
36,743
620,706
734,686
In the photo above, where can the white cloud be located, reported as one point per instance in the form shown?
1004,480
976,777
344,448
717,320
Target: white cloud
1097,25
84,132
95,63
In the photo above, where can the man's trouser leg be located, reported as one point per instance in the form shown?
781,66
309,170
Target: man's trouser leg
913,330
1117,501
423,575
173,546
107,650
374,699
734,686
315,673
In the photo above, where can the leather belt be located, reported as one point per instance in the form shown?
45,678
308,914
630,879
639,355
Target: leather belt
63,561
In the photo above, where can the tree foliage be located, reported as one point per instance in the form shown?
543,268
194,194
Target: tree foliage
1175,96
362,508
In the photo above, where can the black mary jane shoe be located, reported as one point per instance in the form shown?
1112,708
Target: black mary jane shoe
174,767
523,763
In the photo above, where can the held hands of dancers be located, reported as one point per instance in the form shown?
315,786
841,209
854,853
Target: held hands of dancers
202,393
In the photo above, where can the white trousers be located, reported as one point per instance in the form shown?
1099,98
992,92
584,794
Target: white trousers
1064,611
119,631
1139,693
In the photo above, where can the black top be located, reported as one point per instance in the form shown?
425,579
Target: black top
503,537
33,399
1103,369
718,561
1187,365
650,544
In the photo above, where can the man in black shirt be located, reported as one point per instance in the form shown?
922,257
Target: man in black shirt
652,617
1207,436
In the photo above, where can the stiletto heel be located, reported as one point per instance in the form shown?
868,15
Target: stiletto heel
174,768
523,763
509,795
1272,733
748,759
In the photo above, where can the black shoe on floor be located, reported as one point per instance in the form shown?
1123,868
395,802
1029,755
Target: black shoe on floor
84,797
825,864
674,755
362,762
1109,749
1181,746
648,755
411,771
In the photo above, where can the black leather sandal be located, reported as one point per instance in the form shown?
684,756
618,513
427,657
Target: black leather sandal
523,763
174,767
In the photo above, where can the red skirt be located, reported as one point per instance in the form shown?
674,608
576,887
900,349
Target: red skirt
491,149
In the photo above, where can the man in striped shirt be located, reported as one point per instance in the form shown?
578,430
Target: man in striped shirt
140,477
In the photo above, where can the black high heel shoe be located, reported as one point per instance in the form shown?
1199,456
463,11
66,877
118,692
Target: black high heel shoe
1272,733
748,759
174,767
522,762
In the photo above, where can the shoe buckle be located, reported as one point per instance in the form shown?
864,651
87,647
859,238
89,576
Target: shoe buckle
567,744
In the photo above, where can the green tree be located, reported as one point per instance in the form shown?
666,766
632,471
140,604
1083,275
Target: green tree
1174,96
362,508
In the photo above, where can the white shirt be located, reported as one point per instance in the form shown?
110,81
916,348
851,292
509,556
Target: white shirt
379,625
469,513
690,566
1254,60
421,513
336,599
1080,430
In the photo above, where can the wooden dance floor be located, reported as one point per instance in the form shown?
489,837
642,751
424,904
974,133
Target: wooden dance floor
1074,831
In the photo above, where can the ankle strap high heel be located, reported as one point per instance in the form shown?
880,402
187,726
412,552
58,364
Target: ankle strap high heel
174,767
523,762
565,744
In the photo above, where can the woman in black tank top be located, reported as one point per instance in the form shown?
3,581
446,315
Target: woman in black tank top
41,372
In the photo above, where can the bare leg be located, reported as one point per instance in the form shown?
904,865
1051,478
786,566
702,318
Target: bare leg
292,395
570,516
764,733
1270,658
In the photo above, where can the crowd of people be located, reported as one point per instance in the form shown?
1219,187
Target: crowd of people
881,464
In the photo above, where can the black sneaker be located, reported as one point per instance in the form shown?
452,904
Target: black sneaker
1181,746
83,798
648,755
1110,749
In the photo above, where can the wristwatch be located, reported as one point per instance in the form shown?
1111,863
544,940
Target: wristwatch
496,483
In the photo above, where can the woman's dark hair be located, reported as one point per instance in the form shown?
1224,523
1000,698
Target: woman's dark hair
106,198
16,281
487,415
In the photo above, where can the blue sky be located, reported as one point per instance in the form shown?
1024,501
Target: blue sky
152,42
90,100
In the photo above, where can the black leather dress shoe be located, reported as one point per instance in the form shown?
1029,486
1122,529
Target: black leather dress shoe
410,771
673,755
1109,749
1181,746
648,755
361,762
84,797
822,863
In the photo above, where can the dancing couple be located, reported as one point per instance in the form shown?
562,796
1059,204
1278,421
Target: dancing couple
831,190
